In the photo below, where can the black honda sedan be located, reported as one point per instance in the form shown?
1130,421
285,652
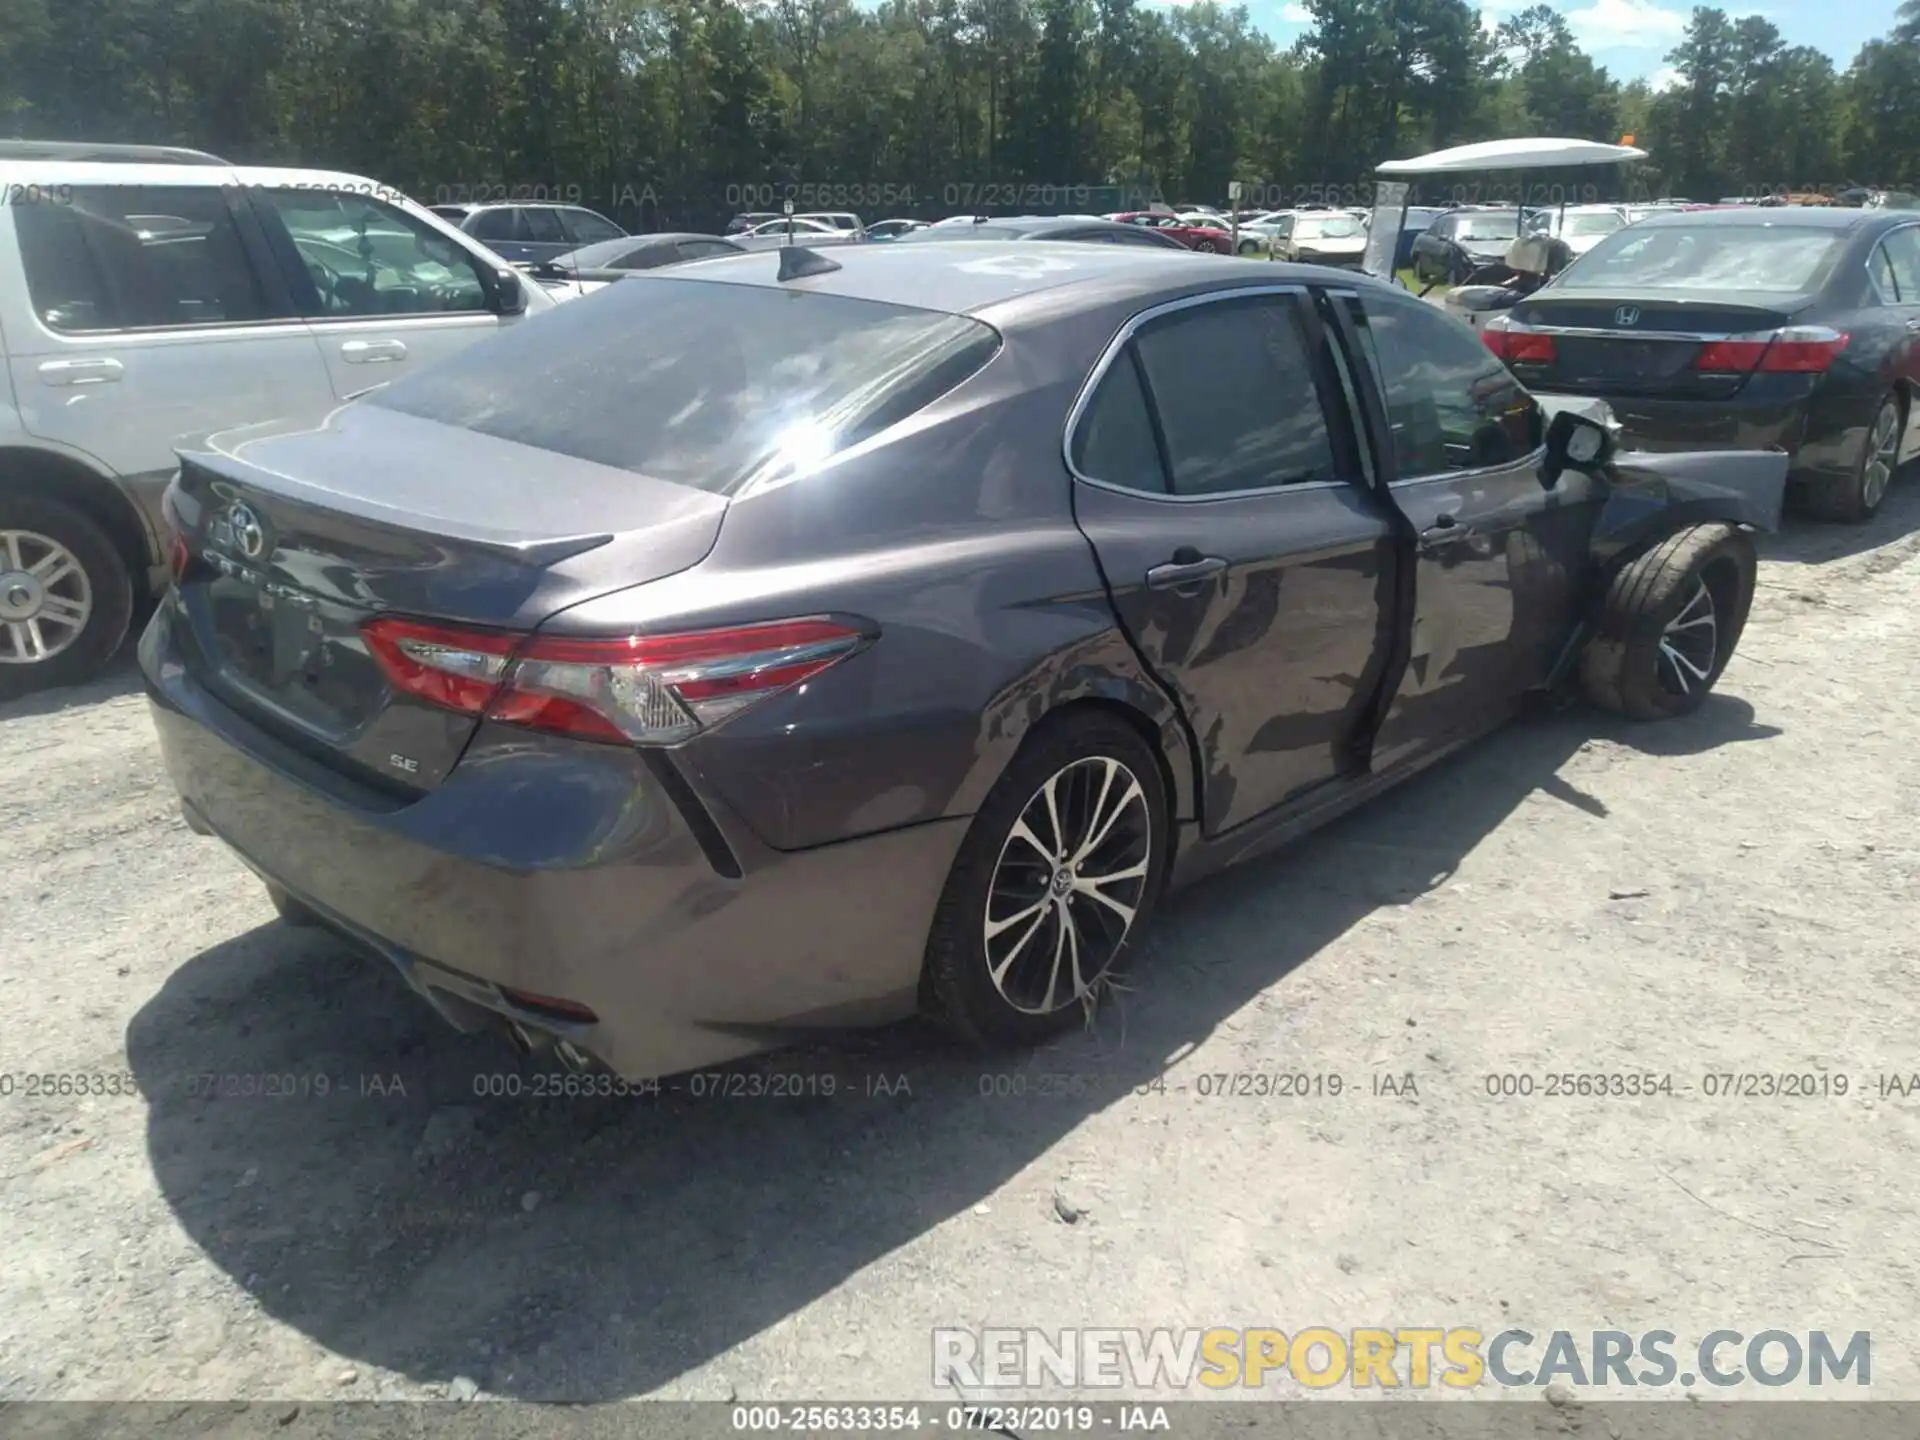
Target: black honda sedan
1792,329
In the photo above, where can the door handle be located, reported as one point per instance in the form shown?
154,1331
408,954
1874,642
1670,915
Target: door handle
372,352
81,372
1914,324
1185,575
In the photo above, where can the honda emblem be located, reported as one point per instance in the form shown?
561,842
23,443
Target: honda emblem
1627,315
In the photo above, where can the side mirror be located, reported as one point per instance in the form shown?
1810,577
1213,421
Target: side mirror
509,295
1575,443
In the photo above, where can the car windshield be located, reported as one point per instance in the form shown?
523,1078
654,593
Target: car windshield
1487,227
737,386
1329,227
1782,259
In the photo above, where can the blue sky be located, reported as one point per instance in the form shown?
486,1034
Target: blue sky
1631,37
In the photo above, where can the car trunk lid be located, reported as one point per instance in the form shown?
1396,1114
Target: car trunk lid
294,543
1647,343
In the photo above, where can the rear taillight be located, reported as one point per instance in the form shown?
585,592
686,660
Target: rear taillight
452,668
641,689
1517,344
179,557
1796,350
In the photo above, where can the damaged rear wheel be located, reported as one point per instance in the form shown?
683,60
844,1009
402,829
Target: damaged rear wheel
1669,624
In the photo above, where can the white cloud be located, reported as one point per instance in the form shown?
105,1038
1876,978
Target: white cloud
1665,78
1626,25
1296,14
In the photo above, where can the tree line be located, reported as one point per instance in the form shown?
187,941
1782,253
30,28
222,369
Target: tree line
678,112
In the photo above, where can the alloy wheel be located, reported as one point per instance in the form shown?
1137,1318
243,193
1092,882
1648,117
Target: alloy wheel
46,599
1690,644
1883,445
1068,882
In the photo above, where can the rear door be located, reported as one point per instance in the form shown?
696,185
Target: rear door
1217,479
546,236
503,230
1897,258
1498,558
588,228
383,292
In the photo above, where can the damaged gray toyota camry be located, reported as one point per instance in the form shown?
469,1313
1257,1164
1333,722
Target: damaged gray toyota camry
793,641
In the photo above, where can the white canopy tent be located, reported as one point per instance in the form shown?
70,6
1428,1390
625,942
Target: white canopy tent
1529,153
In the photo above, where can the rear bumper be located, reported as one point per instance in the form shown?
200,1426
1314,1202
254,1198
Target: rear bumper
566,870
1817,442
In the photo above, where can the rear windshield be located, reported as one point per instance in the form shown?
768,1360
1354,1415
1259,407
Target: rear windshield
1782,259
1333,227
720,386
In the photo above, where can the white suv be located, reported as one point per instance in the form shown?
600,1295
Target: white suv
150,297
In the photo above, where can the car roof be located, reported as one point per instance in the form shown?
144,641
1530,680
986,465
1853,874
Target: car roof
633,244
967,277
1032,225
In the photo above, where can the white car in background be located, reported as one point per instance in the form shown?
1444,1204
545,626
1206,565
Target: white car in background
1257,233
151,296
1584,226
1321,237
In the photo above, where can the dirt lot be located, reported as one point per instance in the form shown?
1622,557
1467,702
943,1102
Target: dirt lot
1730,894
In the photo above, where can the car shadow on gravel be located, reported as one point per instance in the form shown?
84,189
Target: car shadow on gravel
359,1172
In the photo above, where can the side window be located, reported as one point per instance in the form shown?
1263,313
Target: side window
702,249
500,224
587,228
1234,388
123,257
1451,405
543,226
1903,252
1115,440
1880,267
365,258
1086,237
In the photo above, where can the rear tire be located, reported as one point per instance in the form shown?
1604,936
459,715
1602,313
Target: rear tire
1855,499
1669,624
66,598
1001,966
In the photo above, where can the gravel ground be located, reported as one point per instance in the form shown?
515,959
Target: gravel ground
1732,893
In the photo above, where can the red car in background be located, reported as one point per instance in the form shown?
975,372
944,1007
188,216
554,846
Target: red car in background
1217,240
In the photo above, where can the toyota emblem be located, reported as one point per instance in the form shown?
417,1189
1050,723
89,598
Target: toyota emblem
1627,315
248,533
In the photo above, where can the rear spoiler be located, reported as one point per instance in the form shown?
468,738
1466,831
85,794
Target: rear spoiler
223,469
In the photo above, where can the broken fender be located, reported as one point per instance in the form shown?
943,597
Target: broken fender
1655,493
